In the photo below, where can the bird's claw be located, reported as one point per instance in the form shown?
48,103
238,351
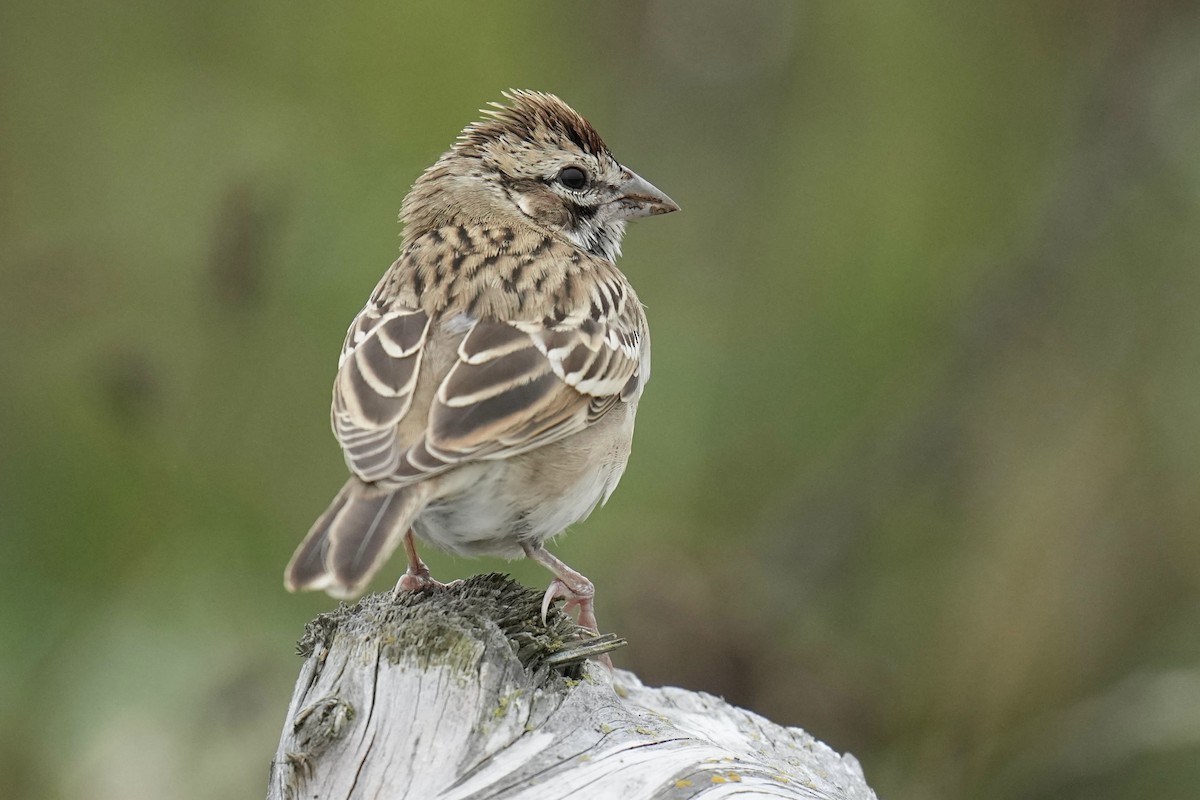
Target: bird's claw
555,590
575,599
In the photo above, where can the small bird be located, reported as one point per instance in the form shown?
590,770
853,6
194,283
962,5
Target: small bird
485,395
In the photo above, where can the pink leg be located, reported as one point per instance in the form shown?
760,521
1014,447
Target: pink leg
569,584
416,578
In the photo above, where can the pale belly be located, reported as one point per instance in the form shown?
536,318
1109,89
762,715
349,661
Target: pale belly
490,507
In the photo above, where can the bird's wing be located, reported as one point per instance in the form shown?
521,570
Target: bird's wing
377,375
520,385
515,386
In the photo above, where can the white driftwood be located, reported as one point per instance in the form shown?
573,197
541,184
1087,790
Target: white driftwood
462,694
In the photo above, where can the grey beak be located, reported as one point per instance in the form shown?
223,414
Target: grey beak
640,198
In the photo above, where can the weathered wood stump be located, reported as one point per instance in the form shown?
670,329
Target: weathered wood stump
466,694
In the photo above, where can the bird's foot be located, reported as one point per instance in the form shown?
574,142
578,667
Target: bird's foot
419,580
578,596
568,585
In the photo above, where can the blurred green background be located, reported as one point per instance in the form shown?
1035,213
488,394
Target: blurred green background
918,470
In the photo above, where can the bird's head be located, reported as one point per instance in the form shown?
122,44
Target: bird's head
538,161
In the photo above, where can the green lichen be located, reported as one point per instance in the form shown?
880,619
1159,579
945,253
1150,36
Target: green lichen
505,701
452,628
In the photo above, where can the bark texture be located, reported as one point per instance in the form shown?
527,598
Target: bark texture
465,694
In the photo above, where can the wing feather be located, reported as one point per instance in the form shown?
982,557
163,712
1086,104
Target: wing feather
515,386
521,385
380,362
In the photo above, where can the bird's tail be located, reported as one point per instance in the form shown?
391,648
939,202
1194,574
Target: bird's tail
351,540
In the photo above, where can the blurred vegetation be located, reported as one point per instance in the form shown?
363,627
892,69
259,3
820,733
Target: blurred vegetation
918,470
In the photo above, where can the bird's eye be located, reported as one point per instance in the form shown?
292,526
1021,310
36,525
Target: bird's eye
573,178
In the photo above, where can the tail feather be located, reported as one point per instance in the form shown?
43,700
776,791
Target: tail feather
306,571
350,541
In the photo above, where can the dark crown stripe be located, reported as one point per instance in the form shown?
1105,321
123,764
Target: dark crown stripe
528,115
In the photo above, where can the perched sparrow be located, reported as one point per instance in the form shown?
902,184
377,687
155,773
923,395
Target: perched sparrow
485,395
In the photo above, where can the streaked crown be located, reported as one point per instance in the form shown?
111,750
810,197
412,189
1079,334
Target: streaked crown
531,117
